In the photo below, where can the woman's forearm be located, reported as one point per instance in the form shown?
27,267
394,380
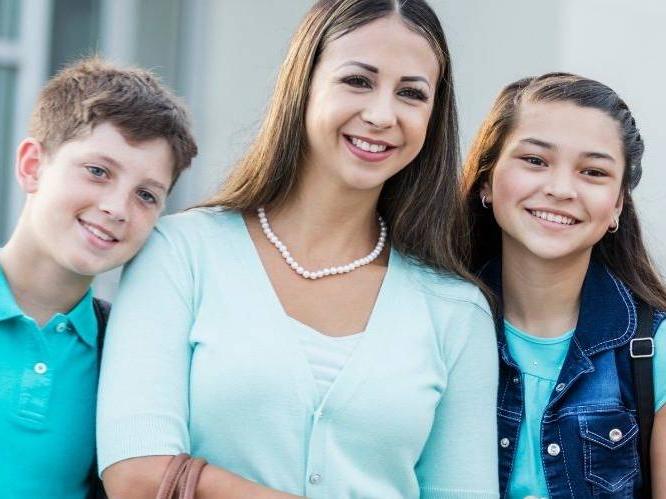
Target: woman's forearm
139,478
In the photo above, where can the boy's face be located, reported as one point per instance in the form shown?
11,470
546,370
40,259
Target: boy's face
95,200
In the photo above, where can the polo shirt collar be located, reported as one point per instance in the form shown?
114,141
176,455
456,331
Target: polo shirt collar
8,306
82,317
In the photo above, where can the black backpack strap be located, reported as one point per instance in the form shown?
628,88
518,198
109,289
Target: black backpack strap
641,349
102,310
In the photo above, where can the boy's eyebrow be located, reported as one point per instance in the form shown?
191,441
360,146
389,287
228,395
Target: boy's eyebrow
149,181
375,70
586,154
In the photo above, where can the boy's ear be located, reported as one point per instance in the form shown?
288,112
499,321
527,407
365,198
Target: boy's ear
30,158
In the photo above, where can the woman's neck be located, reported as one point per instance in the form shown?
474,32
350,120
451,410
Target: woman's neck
323,222
542,296
41,287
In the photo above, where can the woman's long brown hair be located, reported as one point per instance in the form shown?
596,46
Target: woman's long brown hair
622,252
422,203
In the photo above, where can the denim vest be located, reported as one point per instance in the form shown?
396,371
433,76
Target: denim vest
589,430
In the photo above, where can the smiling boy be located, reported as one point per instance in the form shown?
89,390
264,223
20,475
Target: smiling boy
106,146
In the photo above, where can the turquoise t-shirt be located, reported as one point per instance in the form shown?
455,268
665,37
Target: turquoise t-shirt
540,360
48,385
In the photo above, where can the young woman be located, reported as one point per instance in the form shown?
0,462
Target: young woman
548,182
309,331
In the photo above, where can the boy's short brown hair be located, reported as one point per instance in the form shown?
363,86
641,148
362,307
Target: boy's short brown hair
92,91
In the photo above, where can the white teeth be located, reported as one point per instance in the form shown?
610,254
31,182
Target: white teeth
552,217
361,144
97,232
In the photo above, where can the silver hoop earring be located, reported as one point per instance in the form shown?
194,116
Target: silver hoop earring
617,225
484,201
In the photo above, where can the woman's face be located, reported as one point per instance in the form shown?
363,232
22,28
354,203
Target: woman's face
369,105
556,185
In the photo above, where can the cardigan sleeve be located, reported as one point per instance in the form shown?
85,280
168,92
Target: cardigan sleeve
460,457
143,391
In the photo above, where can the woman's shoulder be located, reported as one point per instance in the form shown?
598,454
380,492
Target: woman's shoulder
447,287
199,223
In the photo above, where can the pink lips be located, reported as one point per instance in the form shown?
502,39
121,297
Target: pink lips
95,241
372,157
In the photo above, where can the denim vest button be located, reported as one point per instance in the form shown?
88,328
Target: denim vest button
615,435
516,379
554,450
504,443
560,387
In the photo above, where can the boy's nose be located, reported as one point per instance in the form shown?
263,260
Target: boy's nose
115,207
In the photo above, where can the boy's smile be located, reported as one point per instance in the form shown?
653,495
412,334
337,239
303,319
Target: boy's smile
95,200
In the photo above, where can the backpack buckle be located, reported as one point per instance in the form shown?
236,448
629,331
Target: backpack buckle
639,350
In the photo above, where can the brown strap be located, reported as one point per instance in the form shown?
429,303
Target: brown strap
172,475
191,478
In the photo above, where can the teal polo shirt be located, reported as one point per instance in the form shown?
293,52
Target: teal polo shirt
48,386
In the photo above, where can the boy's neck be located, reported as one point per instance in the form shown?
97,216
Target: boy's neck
540,296
41,287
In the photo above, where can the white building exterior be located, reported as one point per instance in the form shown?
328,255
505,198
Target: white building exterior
223,55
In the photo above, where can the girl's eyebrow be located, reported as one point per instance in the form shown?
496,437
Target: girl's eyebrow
375,70
549,146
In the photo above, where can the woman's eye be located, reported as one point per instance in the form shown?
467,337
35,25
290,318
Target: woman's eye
533,160
97,171
594,173
413,93
147,197
357,81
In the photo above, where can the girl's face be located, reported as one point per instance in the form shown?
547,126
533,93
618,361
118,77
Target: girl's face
556,185
369,105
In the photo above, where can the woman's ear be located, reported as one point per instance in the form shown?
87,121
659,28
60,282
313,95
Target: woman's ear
486,192
30,159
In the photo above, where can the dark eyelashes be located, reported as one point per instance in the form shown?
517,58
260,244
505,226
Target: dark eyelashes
359,81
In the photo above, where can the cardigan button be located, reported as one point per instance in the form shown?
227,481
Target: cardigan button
315,478
504,443
554,450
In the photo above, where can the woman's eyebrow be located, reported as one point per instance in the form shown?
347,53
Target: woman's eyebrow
375,70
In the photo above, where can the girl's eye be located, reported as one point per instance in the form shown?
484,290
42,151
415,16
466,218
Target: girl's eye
413,93
357,81
147,197
97,171
534,160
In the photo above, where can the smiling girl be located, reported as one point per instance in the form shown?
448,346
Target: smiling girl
309,330
548,183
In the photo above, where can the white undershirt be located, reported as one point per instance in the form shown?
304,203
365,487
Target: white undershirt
327,355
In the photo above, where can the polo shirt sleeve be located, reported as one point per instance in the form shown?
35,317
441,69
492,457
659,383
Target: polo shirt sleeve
659,370
144,380
460,457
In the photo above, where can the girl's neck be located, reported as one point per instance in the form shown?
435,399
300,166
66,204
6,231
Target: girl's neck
542,296
41,287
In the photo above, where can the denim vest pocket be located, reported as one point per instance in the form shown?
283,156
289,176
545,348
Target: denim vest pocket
610,452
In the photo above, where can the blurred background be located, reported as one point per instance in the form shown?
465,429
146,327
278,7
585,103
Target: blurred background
222,57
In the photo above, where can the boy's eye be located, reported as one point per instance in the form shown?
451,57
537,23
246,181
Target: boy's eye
413,93
534,160
357,81
97,171
147,197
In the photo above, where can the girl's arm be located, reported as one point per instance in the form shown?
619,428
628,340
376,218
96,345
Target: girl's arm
658,451
139,478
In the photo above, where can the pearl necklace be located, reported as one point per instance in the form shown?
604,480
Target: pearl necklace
318,274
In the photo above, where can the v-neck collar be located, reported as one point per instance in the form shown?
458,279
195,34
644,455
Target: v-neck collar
358,366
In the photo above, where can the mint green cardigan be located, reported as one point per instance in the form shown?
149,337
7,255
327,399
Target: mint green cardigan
201,358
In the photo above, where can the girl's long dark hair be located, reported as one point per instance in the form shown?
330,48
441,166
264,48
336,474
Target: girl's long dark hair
624,251
422,203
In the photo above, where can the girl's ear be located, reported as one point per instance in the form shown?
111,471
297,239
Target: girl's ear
486,191
30,159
